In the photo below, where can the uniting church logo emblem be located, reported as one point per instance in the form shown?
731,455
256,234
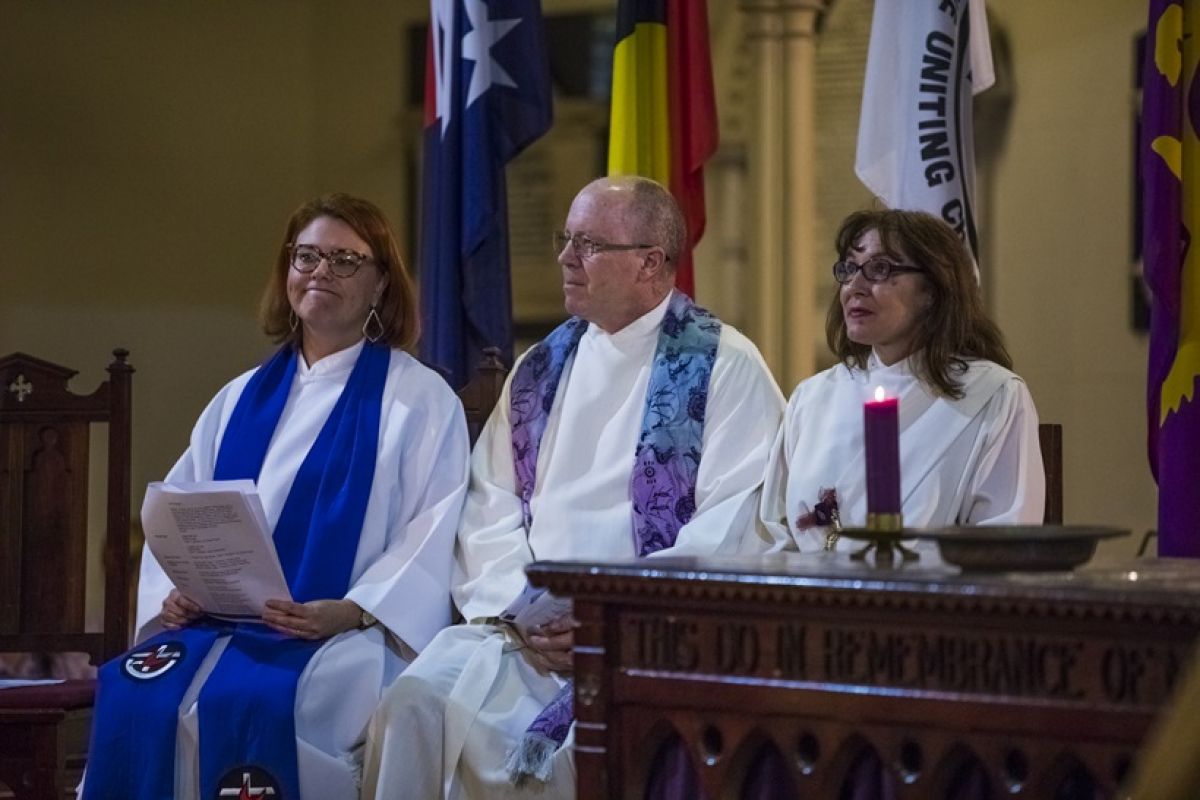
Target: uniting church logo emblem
153,662
246,783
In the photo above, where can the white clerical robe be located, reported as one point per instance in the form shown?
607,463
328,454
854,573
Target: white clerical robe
971,461
401,572
472,694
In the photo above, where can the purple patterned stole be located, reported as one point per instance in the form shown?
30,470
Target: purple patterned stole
534,386
662,484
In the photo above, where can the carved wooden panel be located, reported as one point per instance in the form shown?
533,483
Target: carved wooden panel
800,676
10,522
54,529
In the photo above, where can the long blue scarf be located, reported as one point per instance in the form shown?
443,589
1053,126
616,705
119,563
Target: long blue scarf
666,461
247,703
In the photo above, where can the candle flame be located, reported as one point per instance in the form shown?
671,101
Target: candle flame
879,394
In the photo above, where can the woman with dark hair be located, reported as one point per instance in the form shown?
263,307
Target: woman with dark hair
908,318
360,457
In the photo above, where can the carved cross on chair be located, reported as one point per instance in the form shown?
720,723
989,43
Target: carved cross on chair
21,387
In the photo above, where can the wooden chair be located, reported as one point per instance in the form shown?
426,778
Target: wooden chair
479,396
1050,439
44,437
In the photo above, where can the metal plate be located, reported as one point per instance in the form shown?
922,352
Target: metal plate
1017,548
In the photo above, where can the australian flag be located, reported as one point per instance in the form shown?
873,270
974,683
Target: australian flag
487,96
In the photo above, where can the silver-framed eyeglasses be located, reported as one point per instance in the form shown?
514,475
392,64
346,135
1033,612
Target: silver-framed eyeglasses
587,247
342,263
876,270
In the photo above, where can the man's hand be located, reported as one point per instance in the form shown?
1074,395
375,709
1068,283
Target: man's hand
550,645
316,619
179,610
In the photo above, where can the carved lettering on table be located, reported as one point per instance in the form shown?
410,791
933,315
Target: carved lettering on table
865,657
1137,674
991,664
790,651
1054,667
1027,666
666,643
737,648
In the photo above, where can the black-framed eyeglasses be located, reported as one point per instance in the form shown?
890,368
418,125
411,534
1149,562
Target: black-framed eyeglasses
876,270
342,263
587,247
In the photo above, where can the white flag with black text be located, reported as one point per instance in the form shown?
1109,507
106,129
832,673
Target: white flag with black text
916,148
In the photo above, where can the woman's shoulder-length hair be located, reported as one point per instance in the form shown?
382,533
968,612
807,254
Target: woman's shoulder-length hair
954,327
397,306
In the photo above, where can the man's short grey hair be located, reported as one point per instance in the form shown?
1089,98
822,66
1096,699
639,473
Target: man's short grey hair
653,215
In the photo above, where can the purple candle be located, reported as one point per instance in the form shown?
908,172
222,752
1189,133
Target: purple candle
881,432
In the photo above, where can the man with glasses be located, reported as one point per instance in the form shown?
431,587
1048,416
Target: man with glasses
641,426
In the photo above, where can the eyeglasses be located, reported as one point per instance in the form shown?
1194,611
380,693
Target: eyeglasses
875,270
342,263
587,247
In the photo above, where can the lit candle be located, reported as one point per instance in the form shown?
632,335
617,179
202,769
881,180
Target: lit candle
881,432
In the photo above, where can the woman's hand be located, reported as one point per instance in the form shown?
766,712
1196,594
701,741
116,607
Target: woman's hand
316,619
179,610
550,645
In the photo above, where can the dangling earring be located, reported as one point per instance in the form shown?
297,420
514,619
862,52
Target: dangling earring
292,321
373,334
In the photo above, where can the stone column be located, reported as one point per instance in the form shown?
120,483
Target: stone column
782,154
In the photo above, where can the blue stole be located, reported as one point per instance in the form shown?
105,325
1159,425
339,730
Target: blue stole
247,703
662,484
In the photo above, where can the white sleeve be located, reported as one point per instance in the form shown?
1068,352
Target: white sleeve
407,587
1008,486
772,531
493,547
741,420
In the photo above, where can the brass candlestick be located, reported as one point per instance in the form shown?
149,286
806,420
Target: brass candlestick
885,523
886,543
